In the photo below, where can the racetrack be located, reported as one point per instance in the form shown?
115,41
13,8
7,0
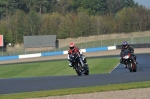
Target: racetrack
143,66
118,75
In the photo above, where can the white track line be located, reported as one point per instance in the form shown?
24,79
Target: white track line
114,68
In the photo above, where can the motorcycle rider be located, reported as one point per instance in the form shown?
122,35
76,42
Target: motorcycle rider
126,46
75,49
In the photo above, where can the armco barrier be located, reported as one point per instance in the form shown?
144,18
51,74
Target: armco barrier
9,58
52,53
100,49
96,49
30,55
55,53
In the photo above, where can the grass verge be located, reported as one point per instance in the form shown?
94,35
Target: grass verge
82,90
55,68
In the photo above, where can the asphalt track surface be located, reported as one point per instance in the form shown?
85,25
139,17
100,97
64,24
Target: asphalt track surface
117,76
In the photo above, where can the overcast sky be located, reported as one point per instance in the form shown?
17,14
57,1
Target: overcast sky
146,3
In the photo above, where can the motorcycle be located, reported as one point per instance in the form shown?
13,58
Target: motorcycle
79,64
129,61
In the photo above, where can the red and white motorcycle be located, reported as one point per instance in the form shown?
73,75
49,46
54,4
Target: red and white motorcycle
129,61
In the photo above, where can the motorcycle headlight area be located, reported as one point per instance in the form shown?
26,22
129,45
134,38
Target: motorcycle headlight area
126,57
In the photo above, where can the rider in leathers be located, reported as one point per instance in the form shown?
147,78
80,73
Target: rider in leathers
126,46
75,49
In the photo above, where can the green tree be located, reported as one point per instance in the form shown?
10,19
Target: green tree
51,23
64,6
95,25
125,20
91,6
82,25
40,6
45,25
113,6
133,19
7,7
18,26
66,27
33,23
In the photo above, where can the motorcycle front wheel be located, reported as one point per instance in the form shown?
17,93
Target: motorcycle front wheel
130,67
78,70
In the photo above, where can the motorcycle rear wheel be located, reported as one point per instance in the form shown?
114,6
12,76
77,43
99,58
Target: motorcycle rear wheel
86,70
134,67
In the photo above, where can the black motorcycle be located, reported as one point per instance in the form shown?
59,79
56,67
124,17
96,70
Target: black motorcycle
79,64
129,61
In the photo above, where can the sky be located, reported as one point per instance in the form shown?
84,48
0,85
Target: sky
145,3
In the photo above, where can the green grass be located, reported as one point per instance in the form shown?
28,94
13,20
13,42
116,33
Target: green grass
55,68
80,90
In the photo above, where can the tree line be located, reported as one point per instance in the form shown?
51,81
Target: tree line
70,18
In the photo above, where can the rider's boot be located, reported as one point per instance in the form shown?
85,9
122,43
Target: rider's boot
70,64
125,66
84,60
136,63
135,60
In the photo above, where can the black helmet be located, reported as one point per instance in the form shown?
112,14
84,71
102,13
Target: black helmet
125,44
